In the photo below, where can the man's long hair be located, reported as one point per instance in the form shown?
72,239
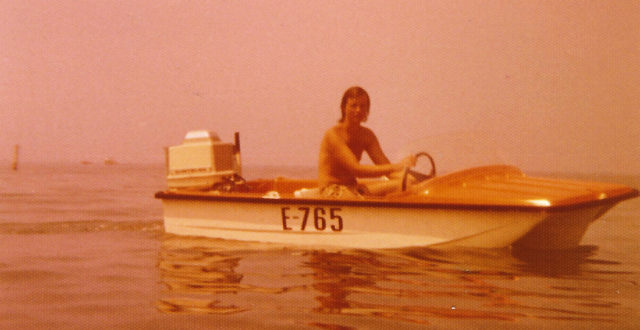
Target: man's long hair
354,92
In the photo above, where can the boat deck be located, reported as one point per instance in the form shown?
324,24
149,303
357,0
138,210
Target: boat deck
492,187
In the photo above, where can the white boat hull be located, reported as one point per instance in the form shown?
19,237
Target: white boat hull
562,230
348,225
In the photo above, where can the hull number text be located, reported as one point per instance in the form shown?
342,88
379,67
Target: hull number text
311,217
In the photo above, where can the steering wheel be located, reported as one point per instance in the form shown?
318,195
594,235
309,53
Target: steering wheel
419,176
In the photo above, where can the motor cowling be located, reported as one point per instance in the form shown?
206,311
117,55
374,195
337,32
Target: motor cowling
202,161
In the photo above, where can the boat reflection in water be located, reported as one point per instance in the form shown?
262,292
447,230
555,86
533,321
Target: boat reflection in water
346,289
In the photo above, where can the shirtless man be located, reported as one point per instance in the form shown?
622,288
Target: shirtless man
342,148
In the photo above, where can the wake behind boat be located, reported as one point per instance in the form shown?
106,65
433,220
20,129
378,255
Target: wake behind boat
486,207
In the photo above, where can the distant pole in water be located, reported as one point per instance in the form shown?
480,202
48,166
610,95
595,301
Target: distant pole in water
14,163
236,136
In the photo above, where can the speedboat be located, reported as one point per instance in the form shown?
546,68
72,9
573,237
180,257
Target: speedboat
493,206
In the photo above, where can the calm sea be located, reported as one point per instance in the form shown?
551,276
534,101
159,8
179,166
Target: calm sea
82,246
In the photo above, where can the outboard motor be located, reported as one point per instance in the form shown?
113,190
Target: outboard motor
202,161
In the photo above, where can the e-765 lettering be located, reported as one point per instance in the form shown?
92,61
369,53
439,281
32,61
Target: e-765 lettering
322,218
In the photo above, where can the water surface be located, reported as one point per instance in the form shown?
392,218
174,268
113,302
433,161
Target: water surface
83,246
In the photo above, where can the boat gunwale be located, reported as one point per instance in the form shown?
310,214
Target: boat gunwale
381,203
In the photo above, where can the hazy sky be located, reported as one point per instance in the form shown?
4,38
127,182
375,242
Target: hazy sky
555,83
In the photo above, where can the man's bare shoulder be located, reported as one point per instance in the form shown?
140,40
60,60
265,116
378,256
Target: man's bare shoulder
366,132
330,133
330,139
366,136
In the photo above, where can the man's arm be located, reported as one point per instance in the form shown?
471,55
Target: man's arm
374,150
